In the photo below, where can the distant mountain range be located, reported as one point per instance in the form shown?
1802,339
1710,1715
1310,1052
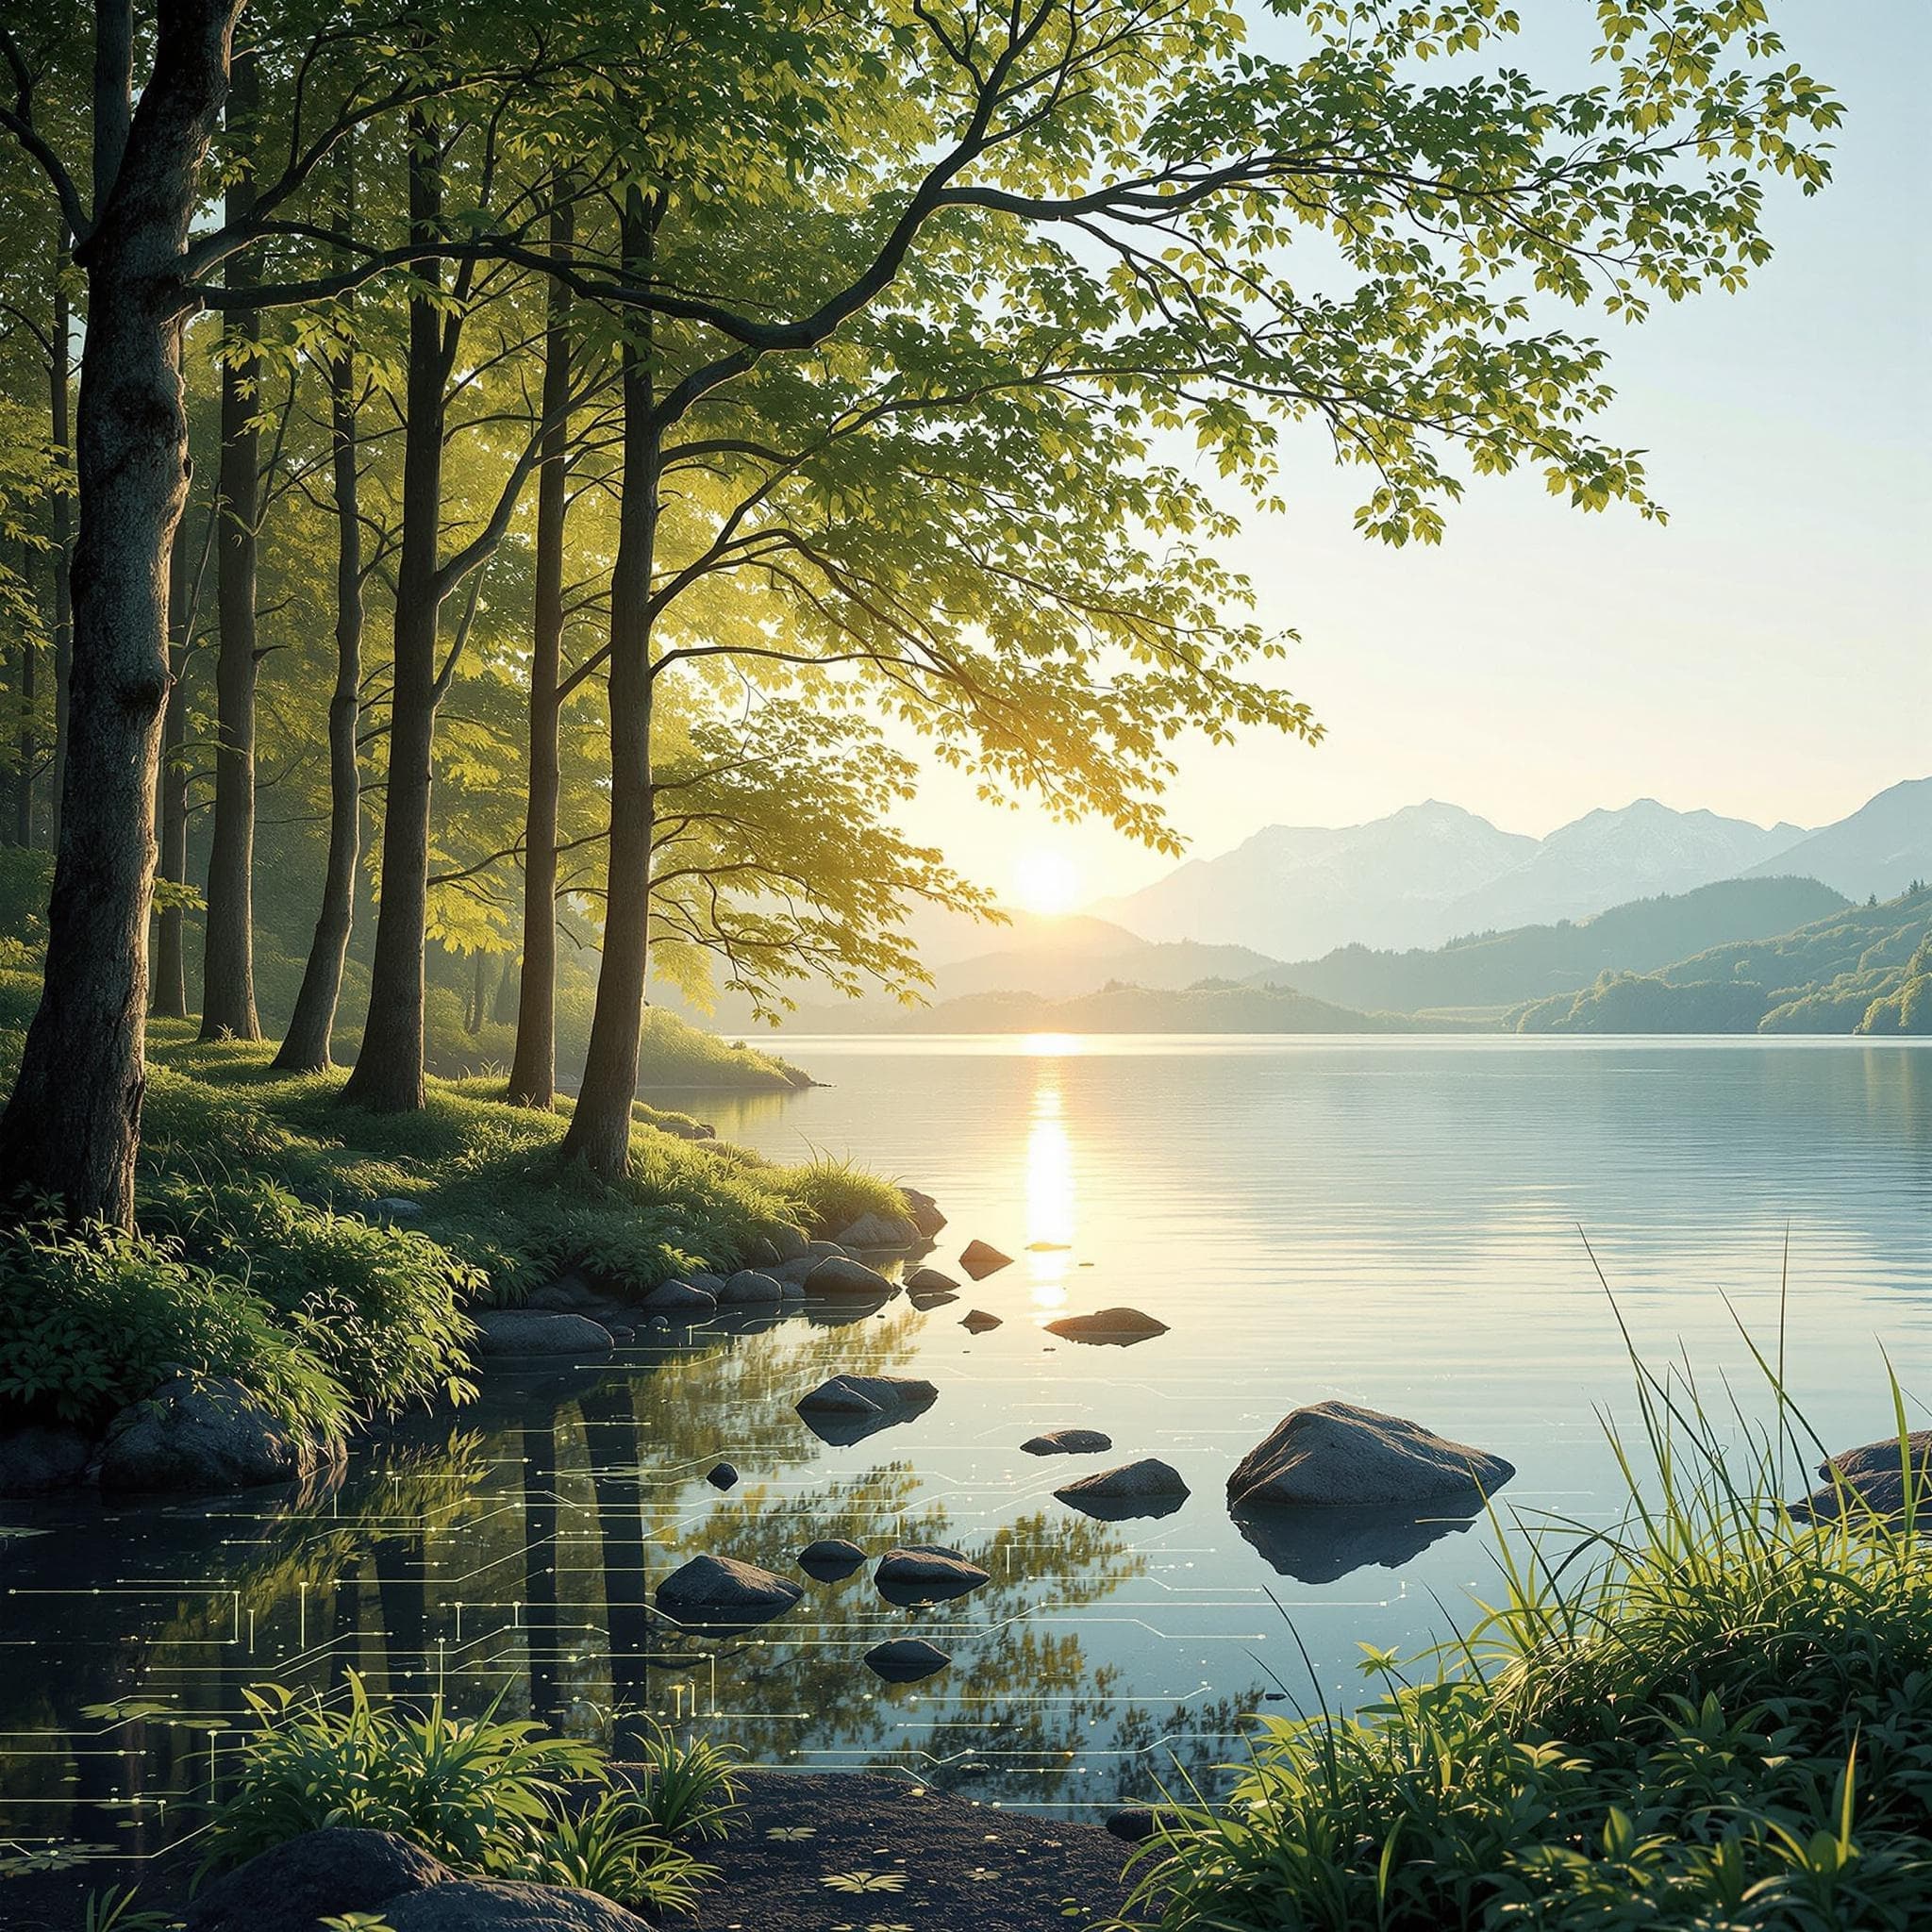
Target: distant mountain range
1496,971
1434,872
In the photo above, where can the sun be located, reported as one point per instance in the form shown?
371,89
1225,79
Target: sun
1046,882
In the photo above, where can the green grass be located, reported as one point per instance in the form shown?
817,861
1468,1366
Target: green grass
258,1258
1710,1716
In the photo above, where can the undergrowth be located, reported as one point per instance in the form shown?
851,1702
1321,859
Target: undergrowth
325,1255
1716,1714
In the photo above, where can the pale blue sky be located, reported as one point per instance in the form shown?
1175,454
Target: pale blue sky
1764,655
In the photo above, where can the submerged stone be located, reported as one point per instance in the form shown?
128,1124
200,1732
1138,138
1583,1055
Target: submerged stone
1120,1327
1147,1488
926,1574
1067,1443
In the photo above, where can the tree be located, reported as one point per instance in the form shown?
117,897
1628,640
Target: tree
1179,166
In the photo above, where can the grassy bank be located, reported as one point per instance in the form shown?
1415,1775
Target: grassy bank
1713,1716
260,1256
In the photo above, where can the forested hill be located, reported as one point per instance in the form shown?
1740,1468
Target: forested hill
1500,970
1213,1006
1867,969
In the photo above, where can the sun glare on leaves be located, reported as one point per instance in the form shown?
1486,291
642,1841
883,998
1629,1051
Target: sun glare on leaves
1046,882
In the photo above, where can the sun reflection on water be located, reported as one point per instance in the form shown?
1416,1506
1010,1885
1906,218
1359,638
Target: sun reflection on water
1050,1203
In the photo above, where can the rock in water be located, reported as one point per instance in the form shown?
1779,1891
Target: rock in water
1067,1443
977,1322
748,1288
926,1575
1873,1478
716,1596
906,1660
839,1275
317,1875
979,1261
879,1231
1119,1327
1333,1454
207,1433
931,1281
507,1904
1147,1488
679,1302
848,1408
538,1331
722,1475
923,1212
831,1559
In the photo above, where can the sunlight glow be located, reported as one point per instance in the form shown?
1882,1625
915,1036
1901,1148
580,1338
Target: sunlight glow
1050,1208
1046,882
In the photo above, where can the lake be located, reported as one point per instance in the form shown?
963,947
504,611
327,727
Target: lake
1395,1222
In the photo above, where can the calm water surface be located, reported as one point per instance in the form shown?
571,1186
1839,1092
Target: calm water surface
1396,1222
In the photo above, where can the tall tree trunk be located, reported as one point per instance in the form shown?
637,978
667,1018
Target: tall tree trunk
227,971
599,1133
171,964
388,1075
306,1046
29,750
72,1126
533,1067
61,436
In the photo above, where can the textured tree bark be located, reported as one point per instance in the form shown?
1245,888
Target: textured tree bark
171,964
61,429
72,1126
227,970
306,1046
388,1074
533,1066
599,1132
25,671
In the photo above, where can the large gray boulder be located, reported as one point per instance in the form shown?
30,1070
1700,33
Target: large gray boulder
197,1432
291,1886
875,1231
749,1287
1333,1454
926,1574
540,1332
42,1458
1116,1327
839,1275
679,1302
1147,1488
1873,1478
507,1905
715,1595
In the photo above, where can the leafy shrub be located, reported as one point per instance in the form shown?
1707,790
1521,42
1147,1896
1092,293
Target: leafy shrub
91,1318
469,1790
379,1304
485,1794
1720,1717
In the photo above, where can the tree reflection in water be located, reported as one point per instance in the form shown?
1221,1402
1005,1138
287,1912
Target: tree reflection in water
514,1558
